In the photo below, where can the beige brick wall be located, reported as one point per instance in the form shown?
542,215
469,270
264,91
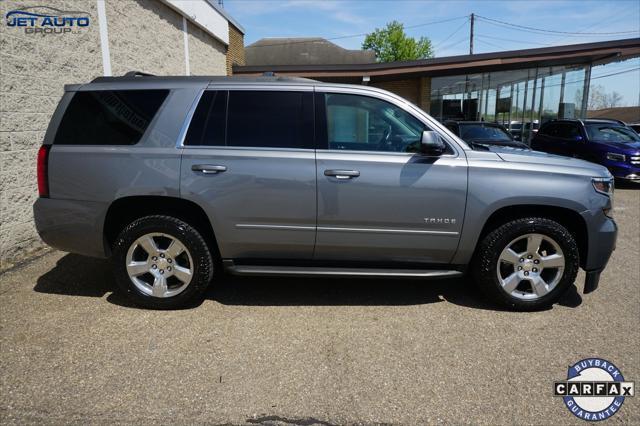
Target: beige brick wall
144,35
424,97
207,56
33,71
235,53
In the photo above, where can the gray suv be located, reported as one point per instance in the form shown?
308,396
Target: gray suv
174,178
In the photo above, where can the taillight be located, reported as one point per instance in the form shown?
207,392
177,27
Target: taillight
43,173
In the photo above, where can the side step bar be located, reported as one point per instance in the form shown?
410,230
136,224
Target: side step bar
299,271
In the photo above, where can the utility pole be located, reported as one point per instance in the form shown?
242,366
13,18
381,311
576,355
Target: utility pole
471,35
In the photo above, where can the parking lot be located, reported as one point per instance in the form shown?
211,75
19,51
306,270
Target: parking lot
307,351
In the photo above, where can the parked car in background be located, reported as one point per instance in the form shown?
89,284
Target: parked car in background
607,142
483,133
525,131
515,128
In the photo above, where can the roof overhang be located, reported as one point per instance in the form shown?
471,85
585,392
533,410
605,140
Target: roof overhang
207,15
587,53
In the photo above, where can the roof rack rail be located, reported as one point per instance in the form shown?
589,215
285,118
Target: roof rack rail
138,74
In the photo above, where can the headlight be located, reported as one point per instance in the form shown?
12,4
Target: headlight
614,156
603,185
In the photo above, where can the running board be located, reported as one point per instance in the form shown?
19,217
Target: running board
301,271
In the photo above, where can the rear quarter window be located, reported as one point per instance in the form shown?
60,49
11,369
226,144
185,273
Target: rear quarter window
108,117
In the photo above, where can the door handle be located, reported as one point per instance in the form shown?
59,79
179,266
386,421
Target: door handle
208,169
342,174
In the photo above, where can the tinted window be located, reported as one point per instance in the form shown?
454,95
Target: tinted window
209,120
568,131
549,130
109,117
270,119
368,124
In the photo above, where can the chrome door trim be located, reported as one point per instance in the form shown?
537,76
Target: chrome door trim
275,227
387,230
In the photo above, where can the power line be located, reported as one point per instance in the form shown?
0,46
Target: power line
466,17
457,42
481,40
441,42
543,30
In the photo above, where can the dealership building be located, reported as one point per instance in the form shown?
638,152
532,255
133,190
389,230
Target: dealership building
521,86
108,37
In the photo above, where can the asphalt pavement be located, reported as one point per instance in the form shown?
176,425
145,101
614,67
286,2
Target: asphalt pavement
307,351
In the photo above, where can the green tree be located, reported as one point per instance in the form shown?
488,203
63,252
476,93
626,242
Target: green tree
392,44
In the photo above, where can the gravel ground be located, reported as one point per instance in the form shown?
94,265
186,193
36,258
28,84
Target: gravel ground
280,351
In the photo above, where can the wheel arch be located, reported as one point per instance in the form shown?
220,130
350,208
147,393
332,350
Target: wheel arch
570,219
126,209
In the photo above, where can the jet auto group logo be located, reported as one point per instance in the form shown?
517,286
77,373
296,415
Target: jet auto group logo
594,389
45,20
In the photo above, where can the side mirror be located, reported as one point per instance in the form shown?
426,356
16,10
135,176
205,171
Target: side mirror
578,138
431,143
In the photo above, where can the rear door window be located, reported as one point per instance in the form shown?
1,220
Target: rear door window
270,119
208,125
109,117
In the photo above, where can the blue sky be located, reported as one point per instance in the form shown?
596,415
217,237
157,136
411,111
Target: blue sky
333,18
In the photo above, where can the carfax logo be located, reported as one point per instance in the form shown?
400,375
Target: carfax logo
594,390
47,20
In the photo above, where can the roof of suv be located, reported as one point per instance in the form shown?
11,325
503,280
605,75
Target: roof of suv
148,81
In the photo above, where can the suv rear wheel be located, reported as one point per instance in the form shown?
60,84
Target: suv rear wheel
162,262
527,264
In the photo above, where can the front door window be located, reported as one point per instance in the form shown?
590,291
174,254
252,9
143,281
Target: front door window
361,123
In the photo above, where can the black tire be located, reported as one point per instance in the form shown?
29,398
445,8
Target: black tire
203,265
488,252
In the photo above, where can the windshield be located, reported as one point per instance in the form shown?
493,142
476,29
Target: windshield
611,133
483,132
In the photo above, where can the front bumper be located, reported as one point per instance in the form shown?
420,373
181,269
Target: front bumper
601,242
624,171
601,239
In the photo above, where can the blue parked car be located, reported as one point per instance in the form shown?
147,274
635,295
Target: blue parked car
607,142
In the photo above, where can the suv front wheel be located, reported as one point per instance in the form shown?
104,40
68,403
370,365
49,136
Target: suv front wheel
527,264
162,262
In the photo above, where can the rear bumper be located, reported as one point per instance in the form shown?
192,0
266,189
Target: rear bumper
70,225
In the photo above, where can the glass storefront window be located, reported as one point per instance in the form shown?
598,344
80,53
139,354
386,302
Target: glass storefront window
518,99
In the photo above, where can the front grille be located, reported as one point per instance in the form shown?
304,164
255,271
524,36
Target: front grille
635,159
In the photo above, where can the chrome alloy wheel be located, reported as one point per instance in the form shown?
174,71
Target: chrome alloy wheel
159,265
530,266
